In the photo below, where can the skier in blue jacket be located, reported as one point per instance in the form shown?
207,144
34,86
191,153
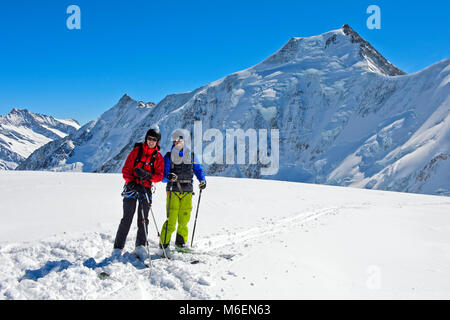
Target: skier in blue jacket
179,174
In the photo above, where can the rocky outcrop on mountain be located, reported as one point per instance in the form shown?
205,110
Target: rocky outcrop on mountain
371,54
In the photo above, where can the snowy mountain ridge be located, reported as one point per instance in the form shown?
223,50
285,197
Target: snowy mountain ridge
22,132
346,116
334,45
95,142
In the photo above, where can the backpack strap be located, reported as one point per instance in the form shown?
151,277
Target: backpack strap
139,157
152,161
140,151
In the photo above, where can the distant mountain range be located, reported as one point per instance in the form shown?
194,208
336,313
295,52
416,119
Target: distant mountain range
345,114
22,132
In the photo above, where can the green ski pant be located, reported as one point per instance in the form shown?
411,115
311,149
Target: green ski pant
179,211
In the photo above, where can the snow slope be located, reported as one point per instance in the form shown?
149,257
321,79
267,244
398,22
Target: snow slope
22,132
289,240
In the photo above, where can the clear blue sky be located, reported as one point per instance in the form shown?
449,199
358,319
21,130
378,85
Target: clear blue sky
149,49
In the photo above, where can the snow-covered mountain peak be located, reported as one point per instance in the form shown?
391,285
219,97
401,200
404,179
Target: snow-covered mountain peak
376,61
127,101
18,111
22,132
343,47
96,142
17,116
23,117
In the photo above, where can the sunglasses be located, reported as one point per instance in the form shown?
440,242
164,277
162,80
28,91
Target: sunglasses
152,139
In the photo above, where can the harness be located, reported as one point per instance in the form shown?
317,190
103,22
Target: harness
181,194
133,194
126,193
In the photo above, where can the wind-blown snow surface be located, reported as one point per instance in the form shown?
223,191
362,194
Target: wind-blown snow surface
290,240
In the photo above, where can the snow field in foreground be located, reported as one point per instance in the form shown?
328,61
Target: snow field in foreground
288,241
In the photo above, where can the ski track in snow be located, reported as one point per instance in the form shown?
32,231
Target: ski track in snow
236,240
174,279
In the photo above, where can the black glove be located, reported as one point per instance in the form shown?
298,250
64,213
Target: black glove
202,185
172,177
134,186
142,174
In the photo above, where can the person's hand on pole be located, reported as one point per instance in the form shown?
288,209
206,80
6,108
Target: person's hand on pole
172,177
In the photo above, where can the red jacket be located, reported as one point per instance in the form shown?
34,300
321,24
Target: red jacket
128,168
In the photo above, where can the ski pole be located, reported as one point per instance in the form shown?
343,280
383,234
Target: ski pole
196,215
168,213
151,210
146,235
153,216
154,221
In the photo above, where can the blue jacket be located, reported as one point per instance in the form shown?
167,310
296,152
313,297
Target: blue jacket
198,170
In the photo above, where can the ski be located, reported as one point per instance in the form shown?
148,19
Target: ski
171,257
188,250
184,249
175,259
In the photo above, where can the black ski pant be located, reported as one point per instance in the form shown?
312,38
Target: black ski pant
129,207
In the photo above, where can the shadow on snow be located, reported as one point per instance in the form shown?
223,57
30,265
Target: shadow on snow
58,266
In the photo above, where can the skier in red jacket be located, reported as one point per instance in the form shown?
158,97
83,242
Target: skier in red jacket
144,166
